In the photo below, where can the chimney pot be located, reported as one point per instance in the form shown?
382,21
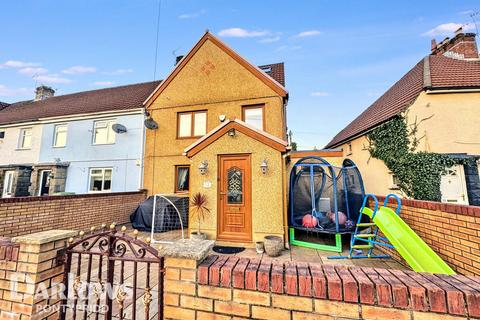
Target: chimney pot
433,44
43,92
459,31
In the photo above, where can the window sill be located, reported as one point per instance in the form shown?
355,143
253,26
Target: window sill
394,187
102,144
58,147
23,149
105,191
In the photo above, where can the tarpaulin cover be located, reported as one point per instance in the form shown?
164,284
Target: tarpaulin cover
166,217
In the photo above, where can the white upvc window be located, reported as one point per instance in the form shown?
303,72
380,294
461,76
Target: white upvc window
100,180
103,132
60,136
25,141
191,124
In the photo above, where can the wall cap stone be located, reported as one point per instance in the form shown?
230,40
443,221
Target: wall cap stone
45,236
186,249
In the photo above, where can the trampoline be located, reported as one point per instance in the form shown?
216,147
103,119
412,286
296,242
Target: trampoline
324,199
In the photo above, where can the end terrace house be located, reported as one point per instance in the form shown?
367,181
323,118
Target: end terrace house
222,132
439,102
83,142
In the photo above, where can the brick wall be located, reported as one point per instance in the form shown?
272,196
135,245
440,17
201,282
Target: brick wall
452,231
26,215
221,287
28,269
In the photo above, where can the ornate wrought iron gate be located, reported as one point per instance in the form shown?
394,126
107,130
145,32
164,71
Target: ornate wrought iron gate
111,275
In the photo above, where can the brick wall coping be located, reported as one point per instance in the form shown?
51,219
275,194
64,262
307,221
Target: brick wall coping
8,250
45,236
71,196
186,249
455,295
440,206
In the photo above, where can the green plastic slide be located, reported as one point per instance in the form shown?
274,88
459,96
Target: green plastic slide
408,244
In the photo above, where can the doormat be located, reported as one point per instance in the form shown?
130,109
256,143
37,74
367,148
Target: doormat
227,250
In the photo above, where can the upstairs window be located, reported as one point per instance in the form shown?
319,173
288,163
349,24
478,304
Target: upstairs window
100,180
2,134
25,141
253,115
191,124
103,132
60,136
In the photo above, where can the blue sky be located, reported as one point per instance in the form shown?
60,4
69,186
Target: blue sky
339,55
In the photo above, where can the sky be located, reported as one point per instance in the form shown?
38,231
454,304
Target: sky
340,56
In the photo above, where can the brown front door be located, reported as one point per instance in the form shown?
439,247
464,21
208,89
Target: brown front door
235,198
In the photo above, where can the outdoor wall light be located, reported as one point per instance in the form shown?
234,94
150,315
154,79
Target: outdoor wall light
264,166
231,132
203,167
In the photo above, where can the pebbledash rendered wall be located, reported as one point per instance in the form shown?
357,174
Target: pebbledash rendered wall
451,230
25,215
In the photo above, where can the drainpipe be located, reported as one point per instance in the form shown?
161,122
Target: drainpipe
142,161
284,199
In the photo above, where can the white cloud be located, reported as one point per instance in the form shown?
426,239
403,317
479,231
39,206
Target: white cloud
79,70
192,15
119,72
18,64
320,94
242,33
446,29
269,40
31,71
103,83
14,92
52,78
309,33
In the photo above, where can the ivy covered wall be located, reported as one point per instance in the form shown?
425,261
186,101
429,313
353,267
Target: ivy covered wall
418,173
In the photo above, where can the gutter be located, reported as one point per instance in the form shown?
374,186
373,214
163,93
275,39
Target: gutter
461,89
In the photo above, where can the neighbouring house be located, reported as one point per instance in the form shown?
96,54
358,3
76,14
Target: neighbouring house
222,132
439,99
83,142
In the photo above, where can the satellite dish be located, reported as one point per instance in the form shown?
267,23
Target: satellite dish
119,128
151,124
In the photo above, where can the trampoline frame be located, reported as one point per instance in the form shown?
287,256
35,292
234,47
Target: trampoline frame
324,165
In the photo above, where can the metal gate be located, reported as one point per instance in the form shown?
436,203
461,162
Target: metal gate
112,275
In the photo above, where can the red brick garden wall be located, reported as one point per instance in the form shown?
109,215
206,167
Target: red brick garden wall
221,287
452,231
25,215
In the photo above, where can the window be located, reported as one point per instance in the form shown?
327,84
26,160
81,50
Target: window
2,134
103,132
60,135
395,182
182,179
253,115
25,138
191,124
100,179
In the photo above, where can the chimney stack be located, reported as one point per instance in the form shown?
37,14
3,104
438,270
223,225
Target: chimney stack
462,46
43,92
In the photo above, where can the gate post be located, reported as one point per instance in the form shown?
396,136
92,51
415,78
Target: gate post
32,275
